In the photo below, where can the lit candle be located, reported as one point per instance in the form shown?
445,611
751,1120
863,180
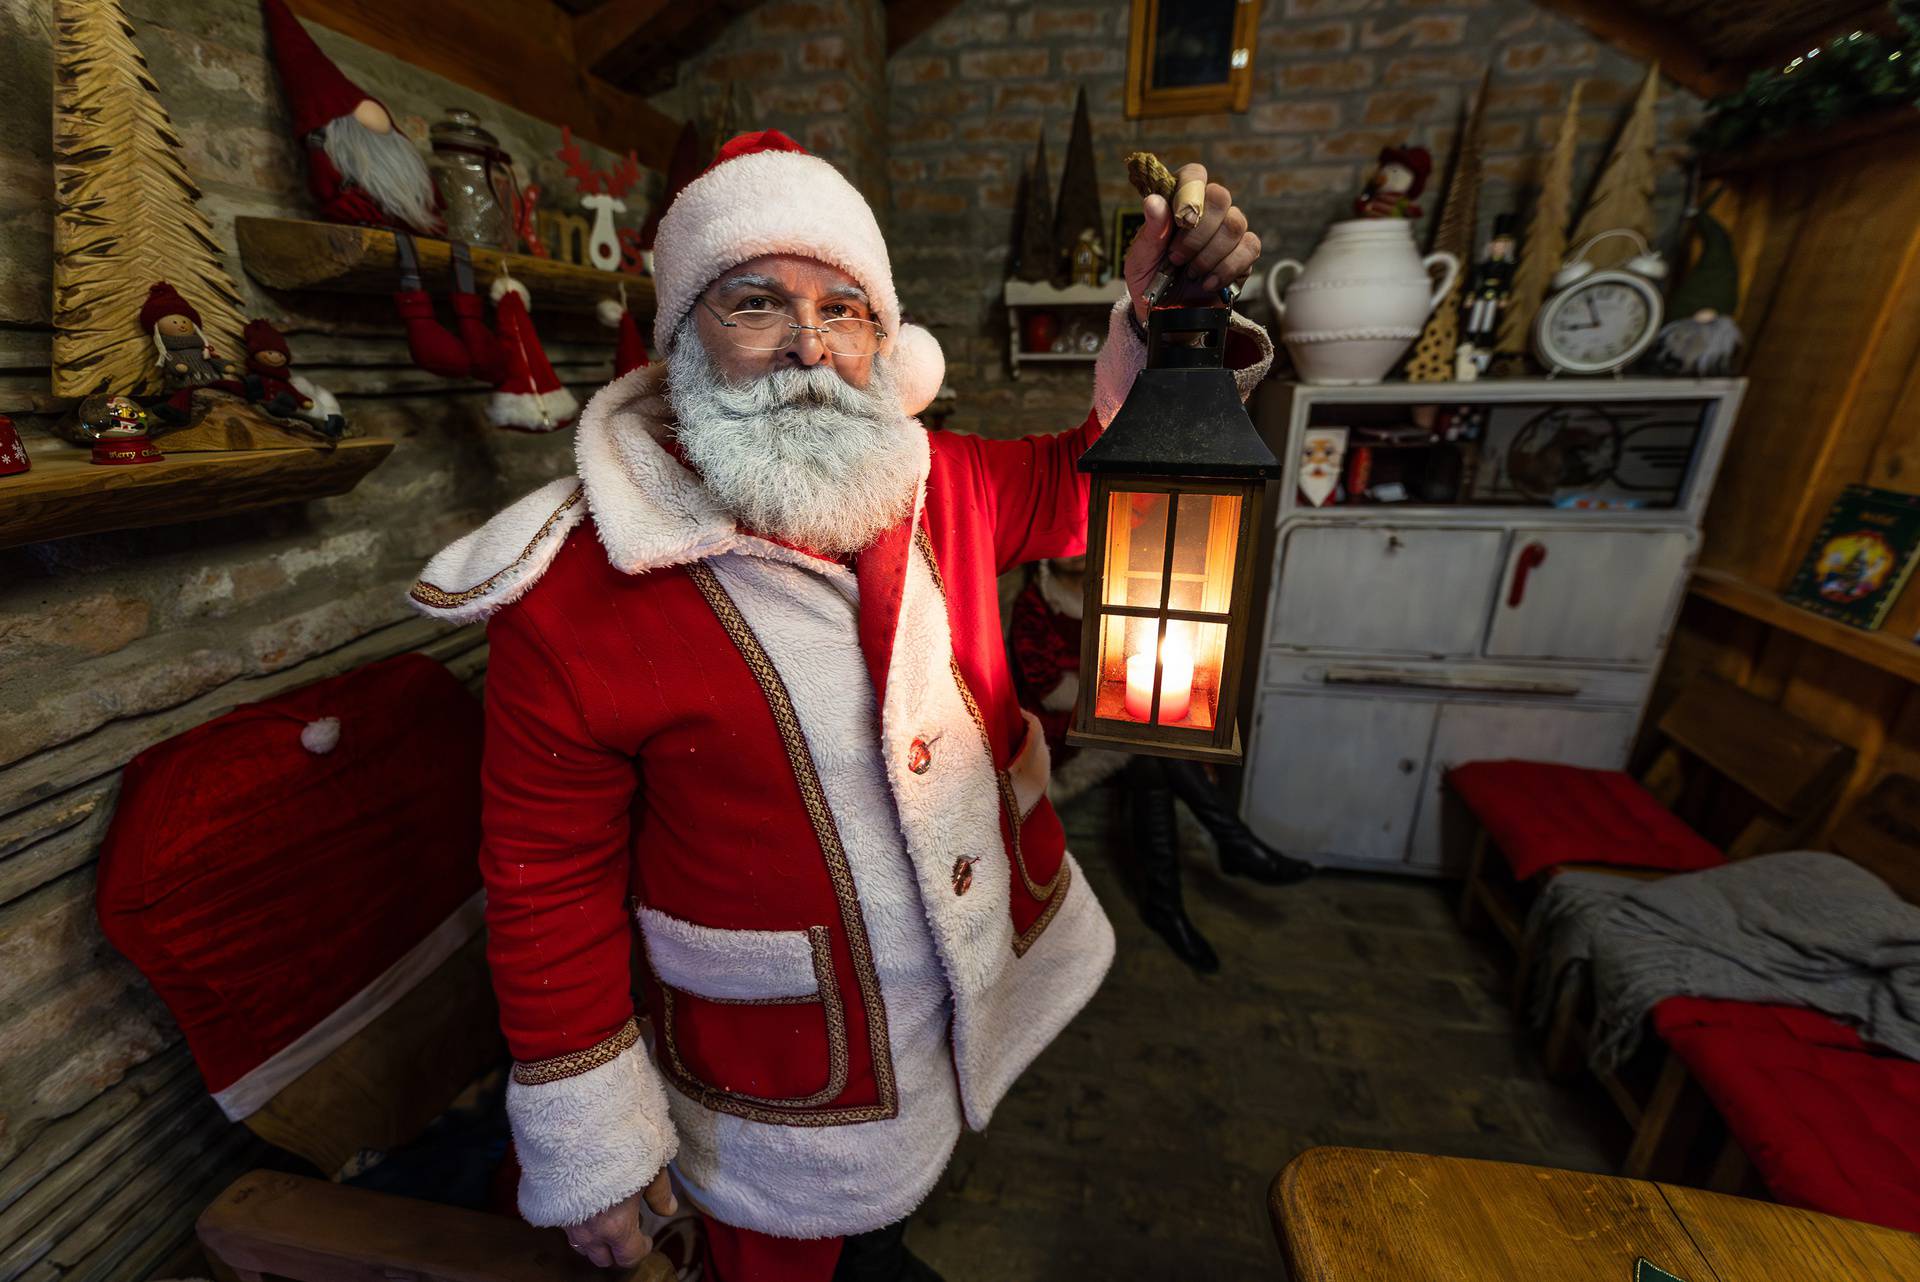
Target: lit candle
1176,681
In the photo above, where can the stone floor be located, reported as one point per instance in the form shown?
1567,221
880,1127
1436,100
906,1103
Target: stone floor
1349,1010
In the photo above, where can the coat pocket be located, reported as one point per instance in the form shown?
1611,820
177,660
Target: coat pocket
749,1018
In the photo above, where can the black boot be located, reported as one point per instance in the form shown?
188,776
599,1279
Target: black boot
882,1256
1156,848
1241,853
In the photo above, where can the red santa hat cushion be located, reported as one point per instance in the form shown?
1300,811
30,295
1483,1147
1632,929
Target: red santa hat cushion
766,194
529,396
284,873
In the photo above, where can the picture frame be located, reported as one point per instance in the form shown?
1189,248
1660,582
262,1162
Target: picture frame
1190,57
1126,223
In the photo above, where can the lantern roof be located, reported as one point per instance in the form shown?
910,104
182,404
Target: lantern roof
1183,416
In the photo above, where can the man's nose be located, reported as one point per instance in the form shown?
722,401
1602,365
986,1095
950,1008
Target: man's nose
807,349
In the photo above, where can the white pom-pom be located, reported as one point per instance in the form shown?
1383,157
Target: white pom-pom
610,310
320,736
919,365
504,285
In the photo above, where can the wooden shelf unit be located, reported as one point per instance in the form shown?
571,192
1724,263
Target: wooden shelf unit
293,253
1886,651
64,494
1022,294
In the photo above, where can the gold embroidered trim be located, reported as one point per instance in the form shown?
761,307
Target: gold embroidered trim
1045,919
807,776
827,998
541,1071
1008,801
441,599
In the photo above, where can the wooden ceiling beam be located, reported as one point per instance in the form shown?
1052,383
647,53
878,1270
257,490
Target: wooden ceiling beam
1638,34
909,18
600,31
521,55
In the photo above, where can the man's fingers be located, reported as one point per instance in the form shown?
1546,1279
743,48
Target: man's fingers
632,1248
1191,177
596,1251
1226,238
1236,264
1195,239
659,1195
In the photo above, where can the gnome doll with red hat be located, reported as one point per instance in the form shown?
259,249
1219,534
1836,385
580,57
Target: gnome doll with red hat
360,167
185,358
529,396
747,694
272,382
1398,179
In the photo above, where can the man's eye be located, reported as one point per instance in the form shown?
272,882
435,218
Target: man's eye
757,303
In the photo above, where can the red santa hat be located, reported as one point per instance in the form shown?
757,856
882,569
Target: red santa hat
163,300
529,396
317,91
766,194
261,336
1418,161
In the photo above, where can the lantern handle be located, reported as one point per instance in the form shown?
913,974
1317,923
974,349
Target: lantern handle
1187,337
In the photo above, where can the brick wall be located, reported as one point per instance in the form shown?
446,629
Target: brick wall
1334,81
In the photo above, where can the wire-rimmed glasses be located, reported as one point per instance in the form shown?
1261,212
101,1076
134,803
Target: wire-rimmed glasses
765,330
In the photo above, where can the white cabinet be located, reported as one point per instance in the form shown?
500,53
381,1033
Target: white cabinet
1589,595
1525,621
1385,589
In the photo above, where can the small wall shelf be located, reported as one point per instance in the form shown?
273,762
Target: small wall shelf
293,253
1022,295
1886,651
64,494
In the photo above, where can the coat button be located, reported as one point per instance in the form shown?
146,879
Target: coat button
919,757
962,875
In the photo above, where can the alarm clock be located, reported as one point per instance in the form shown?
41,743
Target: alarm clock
1600,322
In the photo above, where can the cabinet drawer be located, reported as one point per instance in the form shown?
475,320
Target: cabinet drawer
1601,596
1453,679
1419,590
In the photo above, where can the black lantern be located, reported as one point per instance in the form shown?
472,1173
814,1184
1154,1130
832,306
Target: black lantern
1177,482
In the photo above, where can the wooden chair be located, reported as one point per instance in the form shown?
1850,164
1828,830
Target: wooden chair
1881,833
1732,770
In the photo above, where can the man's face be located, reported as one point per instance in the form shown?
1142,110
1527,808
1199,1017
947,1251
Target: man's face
809,291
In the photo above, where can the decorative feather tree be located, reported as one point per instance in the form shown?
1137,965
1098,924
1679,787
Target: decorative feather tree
1079,205
1432,360
1623,194
125,213
1546,244
1035,259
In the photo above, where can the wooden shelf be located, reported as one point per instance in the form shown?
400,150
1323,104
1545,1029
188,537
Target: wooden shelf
64,494
1786,149
1028,293
292,253
1886,651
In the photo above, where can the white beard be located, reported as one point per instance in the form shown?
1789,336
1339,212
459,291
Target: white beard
386,166
800,453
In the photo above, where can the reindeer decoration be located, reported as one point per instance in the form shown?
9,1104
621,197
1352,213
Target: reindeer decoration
601,192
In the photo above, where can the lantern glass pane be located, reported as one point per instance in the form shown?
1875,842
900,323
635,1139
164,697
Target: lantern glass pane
1190,660
1136,548
1206,538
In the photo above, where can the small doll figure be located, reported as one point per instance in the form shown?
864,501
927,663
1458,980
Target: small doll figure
272,382
1397,181
118,427
1488,291
1088,254
185,358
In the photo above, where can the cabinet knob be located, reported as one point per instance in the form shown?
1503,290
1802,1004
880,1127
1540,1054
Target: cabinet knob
1406,765
1393,543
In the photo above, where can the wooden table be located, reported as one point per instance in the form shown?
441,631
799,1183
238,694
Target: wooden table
1362,1215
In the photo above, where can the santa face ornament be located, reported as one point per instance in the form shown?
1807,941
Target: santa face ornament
1321,451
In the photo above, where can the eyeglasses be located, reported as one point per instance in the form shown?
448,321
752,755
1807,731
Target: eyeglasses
764,330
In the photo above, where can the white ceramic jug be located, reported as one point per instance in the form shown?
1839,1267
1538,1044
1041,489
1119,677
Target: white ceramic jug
1357,304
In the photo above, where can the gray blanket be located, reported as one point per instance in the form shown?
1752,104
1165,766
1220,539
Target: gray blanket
1801,929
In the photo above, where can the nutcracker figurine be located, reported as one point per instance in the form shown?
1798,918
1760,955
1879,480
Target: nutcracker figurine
1488,291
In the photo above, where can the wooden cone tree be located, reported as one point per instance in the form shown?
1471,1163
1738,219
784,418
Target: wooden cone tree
125,213
1035,258
1432,360
1623,194
1542,252
1079,205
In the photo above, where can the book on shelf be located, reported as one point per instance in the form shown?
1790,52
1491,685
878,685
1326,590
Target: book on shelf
1861,558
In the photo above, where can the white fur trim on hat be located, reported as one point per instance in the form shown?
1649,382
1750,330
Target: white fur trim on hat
504,285
768,202
532,411
919,365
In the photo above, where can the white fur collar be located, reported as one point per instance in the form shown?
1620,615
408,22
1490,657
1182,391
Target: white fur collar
649,510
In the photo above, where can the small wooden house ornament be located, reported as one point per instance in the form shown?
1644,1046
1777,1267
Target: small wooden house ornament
1178,477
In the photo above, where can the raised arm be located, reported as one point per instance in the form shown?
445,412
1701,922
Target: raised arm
588,1111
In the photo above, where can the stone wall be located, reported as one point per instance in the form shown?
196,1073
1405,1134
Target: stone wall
112,642
1334,81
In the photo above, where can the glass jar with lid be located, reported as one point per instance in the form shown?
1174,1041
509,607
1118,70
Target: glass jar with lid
474,177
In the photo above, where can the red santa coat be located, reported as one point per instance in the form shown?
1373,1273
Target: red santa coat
661,743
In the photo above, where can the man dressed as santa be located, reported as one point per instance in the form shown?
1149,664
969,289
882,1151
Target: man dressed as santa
747,690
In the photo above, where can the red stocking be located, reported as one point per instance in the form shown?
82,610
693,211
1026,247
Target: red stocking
630,349
483,349
433,347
